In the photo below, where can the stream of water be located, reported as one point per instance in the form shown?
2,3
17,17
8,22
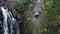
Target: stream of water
12,21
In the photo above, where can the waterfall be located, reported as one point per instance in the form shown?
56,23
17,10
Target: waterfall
12,21
5,25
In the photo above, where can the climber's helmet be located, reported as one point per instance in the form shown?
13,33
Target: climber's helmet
36,15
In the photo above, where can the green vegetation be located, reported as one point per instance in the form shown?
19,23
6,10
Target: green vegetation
51,16
20,4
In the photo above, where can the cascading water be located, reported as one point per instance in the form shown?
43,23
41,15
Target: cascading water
12,21
11,26
5,25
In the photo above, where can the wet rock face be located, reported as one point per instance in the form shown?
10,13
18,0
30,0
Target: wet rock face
1,22
1,16
5,3
3,0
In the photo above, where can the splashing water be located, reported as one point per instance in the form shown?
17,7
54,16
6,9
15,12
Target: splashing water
12,22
